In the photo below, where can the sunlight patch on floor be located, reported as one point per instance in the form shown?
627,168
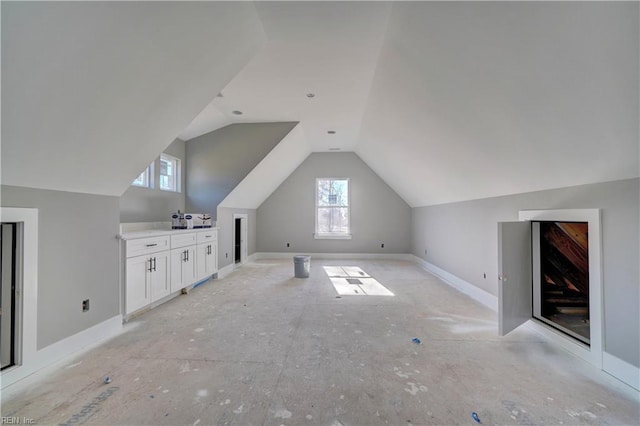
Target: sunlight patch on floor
353,281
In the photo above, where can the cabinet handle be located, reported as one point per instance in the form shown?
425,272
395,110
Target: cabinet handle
151,245
150,264
154,264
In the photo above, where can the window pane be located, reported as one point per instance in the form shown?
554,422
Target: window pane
333,192
143,179
340,189
140,180
333,220
169,169
324,190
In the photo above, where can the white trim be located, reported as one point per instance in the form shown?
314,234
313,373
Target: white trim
593,353
476,293
27,306
333,236
46,357
226,270
557,337
286,255
621,370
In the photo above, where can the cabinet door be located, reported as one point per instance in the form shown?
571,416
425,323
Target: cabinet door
213,258
201,263
137,283
177,259
189,271
207,260
160,279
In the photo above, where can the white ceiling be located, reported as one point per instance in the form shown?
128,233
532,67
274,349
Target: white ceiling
92,92
451,101
328,49
446,101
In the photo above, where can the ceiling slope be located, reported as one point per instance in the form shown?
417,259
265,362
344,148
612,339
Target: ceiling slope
328,49
92,92
473,100
274,169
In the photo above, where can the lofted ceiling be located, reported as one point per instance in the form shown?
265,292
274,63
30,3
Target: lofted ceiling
446,101
451,101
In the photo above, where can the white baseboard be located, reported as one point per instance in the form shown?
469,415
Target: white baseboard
621,370
487,299
365,256
15,379
226,270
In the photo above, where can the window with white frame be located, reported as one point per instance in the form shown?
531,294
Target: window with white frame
332,208
169,173
145,180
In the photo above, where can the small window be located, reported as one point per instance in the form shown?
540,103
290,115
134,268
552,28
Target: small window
169,173
332,208
145,180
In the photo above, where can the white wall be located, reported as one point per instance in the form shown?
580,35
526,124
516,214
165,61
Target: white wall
77,259
220,160
462,239
378,214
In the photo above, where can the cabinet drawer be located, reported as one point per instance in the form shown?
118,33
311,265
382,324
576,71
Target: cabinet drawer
146,245
208,236
183,240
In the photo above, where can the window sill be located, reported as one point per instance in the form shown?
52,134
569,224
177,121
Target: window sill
332,236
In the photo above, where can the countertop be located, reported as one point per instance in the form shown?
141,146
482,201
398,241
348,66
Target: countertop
159,232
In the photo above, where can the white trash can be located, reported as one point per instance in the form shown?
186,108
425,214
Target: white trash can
301,264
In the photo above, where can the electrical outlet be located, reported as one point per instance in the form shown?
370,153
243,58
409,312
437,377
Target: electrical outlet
85,305
288,245
485,275
382,245
226,255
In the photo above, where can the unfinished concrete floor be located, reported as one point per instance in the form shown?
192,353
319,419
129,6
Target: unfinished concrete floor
262,348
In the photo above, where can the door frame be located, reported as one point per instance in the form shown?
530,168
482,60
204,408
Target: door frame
26,305
593,353
244,231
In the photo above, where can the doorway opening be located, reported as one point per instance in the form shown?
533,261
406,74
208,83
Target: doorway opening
238,240
560,261
8,303
240,237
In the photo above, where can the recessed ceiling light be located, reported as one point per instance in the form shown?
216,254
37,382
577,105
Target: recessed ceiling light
334,149
331,132
311,95
236,112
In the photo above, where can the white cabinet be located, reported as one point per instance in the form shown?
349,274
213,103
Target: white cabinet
207,253
147,280
207,260
183,267
157,264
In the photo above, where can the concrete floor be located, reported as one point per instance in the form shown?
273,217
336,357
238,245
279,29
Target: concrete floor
262,348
